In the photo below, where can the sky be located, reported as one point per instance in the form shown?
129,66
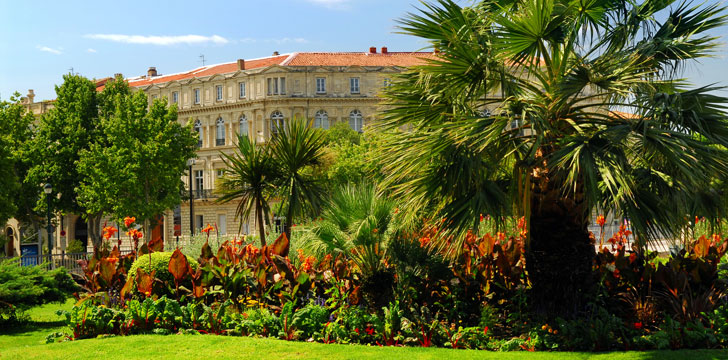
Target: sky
42,40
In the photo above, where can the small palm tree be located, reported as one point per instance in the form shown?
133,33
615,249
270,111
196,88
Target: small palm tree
296,148
356,222
523,113
249,177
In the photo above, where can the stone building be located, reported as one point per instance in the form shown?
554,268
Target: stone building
251,97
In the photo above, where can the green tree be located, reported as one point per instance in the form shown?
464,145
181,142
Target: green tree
250,177
552,145
137,168
11,114
357,221
296,149
62,134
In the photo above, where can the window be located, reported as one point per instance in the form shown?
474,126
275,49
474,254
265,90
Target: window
199,222
222,224
354,85
220,132
220,173
218,89
242,90
175,97
197,96
321,120
387,82
320,85
276,122
199,184
356,120
277,86
243,125
198,129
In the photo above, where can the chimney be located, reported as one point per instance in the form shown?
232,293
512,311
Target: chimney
152,71
276,53
31,96
373,50
241,64
384,49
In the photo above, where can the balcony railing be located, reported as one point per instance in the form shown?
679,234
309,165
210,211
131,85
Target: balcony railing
199,194
219,142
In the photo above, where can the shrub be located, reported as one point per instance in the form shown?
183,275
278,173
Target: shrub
160,264
75,246
23,287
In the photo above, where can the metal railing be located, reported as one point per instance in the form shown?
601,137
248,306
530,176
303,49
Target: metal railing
219,142
199,194
70,261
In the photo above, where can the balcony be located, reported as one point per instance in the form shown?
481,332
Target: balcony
199,194
219,142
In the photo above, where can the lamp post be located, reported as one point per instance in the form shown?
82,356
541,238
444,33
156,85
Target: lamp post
191,162
48,188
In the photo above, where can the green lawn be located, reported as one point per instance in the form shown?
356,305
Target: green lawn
28,343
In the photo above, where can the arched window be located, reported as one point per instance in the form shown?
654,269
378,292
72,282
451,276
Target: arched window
321,120
356,120
276,122
198,129
243,126
220,132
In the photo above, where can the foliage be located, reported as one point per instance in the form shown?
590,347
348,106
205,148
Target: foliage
143,141
62,133
17,199
250,178
23,287
296,148
523,117
159,263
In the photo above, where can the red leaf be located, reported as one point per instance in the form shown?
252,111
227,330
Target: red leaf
280,245
178,265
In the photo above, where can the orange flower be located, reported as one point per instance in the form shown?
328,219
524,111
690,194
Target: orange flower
301,257
109,231
112,260
601,220
134,233
481,217
424,241
129,220
308,264
207,229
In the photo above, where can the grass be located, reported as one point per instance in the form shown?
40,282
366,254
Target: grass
28,342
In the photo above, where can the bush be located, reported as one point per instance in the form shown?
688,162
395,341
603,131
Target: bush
23,287
159,263
75,246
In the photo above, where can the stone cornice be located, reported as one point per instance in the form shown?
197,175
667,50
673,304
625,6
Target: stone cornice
290,101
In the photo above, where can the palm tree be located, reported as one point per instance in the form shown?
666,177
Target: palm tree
356,222
549,108
296,148
249,177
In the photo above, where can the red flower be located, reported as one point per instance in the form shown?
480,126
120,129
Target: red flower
129,220
369,330
109,231
632,258
481,217
357,330
485,331
638,325
601,220
207,229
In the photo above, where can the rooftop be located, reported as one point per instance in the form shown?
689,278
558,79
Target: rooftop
370,58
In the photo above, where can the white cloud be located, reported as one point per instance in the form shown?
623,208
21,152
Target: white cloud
331,4
160,40
90,50
50,50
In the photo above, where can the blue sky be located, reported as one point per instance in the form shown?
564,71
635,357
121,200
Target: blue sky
42,40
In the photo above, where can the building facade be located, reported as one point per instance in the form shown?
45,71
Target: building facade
253,98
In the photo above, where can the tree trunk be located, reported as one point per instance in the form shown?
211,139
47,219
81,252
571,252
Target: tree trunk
289,222
560,254
261,224
94,229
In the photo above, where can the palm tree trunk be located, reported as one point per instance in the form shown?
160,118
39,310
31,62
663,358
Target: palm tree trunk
560,255
261,225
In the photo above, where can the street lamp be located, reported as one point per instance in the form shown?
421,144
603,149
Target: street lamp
191,162
47,189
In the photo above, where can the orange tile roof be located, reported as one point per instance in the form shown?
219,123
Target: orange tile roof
403,59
